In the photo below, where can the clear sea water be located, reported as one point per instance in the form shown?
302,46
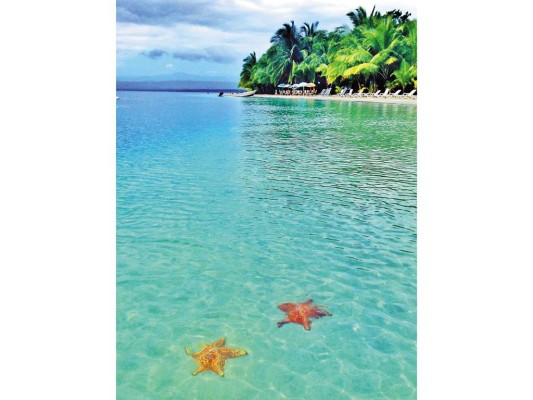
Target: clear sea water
227,207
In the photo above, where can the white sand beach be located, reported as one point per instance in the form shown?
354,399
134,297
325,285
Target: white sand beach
378,99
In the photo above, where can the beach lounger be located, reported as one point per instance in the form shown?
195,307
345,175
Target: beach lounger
328,91
384,94
359,93
395,94
342,92
411,94
376,93
349,93
322,92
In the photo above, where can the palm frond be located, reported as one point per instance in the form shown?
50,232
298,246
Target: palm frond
361,69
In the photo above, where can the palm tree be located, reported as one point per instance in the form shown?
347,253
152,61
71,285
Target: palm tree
405,75
309,30
288,36
331,68
248,67
308,34
287,39
281,66
337,61
260,78
378,53
410,53
359,17
314,47
397,16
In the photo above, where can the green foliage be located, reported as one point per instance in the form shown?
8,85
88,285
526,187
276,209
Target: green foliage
248,69
379,51
405,75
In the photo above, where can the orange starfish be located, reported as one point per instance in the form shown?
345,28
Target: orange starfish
213,357
300,313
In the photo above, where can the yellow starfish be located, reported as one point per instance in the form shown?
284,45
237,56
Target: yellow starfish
213,357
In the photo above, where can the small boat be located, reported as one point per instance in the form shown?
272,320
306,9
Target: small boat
243,94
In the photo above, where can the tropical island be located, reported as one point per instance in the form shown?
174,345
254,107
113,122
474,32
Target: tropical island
378,53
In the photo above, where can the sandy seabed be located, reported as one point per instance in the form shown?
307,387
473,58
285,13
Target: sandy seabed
380,99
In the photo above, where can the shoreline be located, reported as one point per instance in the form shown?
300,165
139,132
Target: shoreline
392,100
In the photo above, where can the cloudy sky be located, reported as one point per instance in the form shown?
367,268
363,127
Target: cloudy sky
210,38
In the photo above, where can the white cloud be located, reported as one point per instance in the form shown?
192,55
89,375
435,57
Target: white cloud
134,38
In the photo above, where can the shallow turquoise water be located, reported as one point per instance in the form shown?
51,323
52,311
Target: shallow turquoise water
227,207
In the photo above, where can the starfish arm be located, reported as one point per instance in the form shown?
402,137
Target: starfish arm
194,355
319,312
283,322
219,343
287,307
231,352
219,369
201,368
202,352
306,323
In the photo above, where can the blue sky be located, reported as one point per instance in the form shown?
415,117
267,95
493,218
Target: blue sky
210,38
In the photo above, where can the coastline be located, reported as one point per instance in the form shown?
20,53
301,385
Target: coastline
393,100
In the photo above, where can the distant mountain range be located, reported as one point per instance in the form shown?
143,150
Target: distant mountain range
178,81
176,85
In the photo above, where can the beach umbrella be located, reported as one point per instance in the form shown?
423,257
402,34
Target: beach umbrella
311,85
302,84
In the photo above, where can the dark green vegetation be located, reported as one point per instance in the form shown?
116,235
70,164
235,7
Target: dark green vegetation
377,52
